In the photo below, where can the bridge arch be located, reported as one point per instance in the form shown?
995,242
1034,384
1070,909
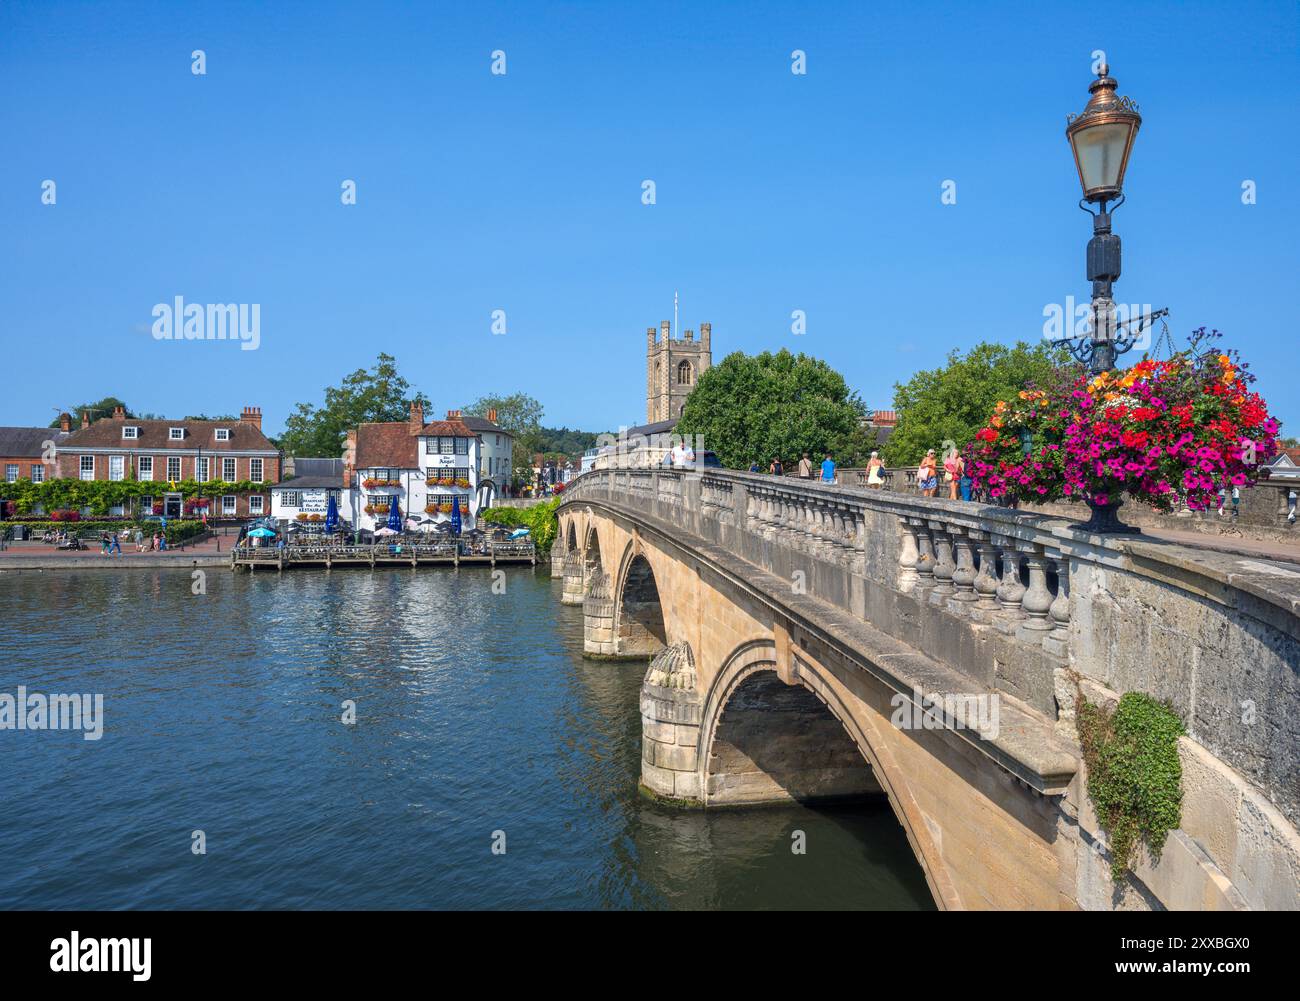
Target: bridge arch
640,626
592,565
763,740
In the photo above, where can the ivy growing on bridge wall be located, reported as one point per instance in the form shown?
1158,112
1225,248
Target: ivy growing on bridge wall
1135,779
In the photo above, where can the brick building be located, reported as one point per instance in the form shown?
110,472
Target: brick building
23,452
168,451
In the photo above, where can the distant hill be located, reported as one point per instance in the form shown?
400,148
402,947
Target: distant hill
564,440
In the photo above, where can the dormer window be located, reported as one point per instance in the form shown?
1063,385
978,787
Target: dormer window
176,434
223,434
130,432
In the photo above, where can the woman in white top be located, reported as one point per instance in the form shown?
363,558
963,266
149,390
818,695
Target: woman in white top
875,477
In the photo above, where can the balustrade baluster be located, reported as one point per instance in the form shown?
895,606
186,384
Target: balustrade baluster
1011,591
1057,641
908,557
986,581
943,564
963,575
1038,599
925,561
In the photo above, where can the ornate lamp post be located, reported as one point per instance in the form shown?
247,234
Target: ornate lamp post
1101,137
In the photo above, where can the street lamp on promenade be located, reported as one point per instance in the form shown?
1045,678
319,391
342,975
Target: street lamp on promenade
1101,137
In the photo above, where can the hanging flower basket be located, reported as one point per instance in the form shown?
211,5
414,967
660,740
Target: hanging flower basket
1189,428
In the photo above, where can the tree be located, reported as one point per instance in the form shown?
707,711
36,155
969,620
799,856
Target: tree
374,395
518,413
952,403
756,407
98,411
521,415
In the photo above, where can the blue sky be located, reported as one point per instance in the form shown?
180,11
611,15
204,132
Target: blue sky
522,192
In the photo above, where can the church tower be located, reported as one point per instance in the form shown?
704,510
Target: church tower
672,369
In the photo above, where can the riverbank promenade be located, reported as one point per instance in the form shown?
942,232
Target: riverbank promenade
212,551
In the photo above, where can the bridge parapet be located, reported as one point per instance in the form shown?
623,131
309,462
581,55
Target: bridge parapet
1036,608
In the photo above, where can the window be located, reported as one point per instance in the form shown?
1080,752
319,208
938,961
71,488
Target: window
383,474
434,473
228,469
87,467
11,472
228,504
176,434
117,467
38,473
144,467
684,374
223,434
146,505
498,441
202,466
447,446
290,498
255,504
173,467
255,470
462,446
130,432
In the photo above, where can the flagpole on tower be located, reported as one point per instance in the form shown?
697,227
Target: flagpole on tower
677,331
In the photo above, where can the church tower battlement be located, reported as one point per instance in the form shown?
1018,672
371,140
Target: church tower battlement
673,366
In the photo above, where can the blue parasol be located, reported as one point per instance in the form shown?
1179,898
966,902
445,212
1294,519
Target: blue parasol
455,517
394,515
331,515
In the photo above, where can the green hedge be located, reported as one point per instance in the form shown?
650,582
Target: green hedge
540,520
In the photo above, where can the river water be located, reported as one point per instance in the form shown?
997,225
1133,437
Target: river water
477,722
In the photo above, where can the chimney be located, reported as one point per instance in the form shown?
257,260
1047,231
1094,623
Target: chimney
65,422
349,459
119,413
286,468
416,417
665,329
253,416
85,419
492,414
453,415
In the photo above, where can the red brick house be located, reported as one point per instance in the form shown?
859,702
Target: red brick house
168,451
23,453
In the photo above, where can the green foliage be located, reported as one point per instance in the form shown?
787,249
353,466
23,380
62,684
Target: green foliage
100,495
756,407
954,402
518,413
1134,775
98,411
521,415
562,441
379,394
540,519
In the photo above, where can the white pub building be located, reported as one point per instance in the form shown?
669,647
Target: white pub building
424,468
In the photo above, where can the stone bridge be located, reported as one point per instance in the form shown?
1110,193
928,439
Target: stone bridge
817,643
